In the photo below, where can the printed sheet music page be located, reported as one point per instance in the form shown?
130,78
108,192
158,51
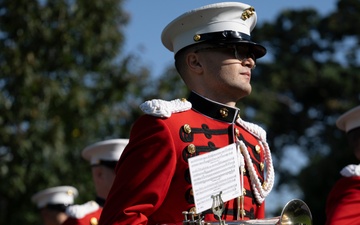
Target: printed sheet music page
212,173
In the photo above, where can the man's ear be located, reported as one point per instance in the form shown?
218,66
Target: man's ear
194,64
97,172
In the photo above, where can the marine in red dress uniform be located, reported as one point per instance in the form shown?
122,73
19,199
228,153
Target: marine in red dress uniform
53,202
153,184
342,206
103,157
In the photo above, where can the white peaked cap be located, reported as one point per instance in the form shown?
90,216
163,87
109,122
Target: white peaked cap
219,23
55,195
349,120
109,150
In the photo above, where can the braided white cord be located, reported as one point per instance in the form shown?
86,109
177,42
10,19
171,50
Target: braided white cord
80,211
351,170
270,173
260,191
162,108
240,156
253,128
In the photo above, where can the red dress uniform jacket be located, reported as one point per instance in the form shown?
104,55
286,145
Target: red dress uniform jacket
153,183
342,207
86,214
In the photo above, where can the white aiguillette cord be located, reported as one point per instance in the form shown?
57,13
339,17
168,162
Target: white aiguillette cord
260,191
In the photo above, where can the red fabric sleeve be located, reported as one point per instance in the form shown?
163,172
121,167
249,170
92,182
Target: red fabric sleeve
143,174
343,202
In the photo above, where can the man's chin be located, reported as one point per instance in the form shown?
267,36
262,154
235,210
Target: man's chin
246,92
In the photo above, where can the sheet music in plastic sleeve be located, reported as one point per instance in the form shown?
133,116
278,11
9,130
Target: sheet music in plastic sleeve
212,173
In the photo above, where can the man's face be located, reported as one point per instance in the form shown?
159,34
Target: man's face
52,217
354,141
227,72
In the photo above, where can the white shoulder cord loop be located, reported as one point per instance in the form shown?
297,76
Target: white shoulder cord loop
351,170
80,211
162,108
260,191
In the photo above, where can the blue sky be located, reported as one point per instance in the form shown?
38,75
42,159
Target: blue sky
149,17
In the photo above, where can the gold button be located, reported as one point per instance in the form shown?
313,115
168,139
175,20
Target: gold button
264,185
191,192
262,166
237,132
183,99
244,191
224,112
243,212
187,128
191,149
197,37
70,192
193,209
94,221
257,149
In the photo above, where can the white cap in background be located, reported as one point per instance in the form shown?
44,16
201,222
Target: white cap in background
109,150
349,120
56,195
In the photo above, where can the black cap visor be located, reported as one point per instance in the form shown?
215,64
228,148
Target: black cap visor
231,37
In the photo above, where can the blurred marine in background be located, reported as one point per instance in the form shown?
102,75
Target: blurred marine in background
102,157
53,202
214,56
343,202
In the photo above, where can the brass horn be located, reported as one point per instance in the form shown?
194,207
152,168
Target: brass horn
295,212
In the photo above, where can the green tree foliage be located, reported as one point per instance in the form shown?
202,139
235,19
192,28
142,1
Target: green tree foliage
170,86
63,87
